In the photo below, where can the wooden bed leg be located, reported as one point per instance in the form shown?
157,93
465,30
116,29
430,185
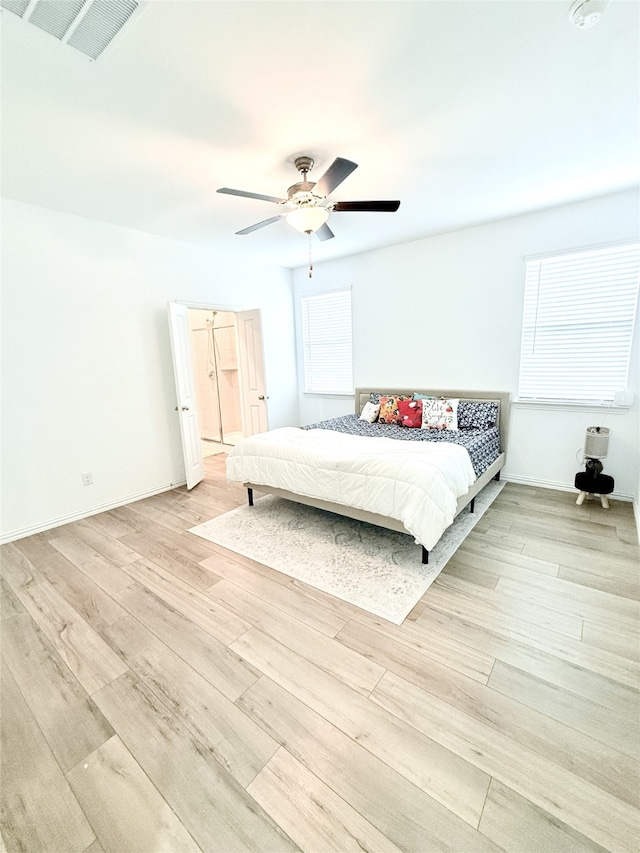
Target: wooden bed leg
425,555
472,505
250,496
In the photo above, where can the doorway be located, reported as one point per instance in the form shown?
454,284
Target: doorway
240,400
214,349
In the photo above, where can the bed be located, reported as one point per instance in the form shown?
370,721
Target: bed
415,481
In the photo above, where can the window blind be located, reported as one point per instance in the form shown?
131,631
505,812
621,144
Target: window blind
326,340
579,315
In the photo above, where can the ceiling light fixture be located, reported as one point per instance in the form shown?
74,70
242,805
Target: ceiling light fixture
307,219
587,13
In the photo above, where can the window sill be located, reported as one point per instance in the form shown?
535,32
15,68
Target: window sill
351,395
548,405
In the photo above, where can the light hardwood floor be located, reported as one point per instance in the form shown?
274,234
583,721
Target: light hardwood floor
162,694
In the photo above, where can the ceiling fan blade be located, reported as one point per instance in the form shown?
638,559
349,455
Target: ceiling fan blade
324,232
371,206
259,225
334,176
251,195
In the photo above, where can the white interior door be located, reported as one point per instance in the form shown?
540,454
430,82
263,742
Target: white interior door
253,391
186,393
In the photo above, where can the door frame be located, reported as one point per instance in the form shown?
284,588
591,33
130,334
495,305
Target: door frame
234,309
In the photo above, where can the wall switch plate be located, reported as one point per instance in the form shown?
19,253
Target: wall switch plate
87,478
623,398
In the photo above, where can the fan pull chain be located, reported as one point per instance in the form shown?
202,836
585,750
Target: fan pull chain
310,258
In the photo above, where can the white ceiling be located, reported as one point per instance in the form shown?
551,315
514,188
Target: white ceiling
466,111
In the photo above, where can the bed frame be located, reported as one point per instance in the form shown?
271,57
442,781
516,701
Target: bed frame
502,398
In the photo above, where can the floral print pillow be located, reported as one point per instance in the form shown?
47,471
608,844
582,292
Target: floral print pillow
410,413
389,412
440,414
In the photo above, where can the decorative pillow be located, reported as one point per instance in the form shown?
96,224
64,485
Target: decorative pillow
440,414
370,412
423,397
477,415
410,413
389,413
374,397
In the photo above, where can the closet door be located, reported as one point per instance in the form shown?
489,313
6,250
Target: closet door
186,394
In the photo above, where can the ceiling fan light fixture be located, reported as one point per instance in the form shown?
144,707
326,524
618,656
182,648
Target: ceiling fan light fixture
307,219
304,207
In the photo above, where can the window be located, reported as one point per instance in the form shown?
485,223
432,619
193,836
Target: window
326,343
579,314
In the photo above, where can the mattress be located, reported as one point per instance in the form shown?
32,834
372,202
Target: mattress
482,445
416,483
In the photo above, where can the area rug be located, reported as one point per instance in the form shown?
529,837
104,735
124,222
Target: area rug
378,570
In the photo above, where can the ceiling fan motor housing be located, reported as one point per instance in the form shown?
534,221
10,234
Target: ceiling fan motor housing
302,194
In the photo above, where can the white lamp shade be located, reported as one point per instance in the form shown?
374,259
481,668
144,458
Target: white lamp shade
596,443
307,219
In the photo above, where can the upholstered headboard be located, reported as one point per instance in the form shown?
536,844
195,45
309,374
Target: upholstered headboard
502,398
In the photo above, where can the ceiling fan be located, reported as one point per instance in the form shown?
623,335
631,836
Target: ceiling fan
306,207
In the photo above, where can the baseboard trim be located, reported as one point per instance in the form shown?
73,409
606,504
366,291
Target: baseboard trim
21,533
552,484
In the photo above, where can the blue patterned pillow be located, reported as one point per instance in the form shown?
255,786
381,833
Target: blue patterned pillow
477,415
374,398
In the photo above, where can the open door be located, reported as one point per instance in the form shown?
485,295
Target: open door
253,392
185,391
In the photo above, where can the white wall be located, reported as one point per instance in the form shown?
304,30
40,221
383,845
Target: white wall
87,377
446,312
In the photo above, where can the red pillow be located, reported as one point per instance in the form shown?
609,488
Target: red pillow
389,413
410,413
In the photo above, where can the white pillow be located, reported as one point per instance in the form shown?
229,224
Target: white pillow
370,412
440,414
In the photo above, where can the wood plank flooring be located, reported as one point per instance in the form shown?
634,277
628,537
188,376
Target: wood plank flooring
160,693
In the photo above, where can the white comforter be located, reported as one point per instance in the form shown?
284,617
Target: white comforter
417,483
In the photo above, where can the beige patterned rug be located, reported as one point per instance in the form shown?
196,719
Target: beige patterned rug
375,569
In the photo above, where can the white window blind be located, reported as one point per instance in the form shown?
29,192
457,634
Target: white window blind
326,340
579,314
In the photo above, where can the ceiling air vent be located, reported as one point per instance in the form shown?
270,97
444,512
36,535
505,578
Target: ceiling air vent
103,21
18,7
87,25
55,18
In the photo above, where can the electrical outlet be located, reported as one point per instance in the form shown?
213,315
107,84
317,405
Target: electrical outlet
87,478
